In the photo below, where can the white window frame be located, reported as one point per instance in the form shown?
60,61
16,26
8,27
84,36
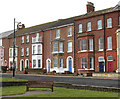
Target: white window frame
39,63
10,53
83,44
57,33
61,62
69,46
55,62
39,49
34,63
27,39
100,44
60,46
69,31
90,44
34,49
99,24
109,23
22,51
80,28
55,47
27,51
83,64
109,43
22,40
91,64
89,26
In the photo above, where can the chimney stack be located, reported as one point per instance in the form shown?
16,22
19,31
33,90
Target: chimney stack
20,26
90,7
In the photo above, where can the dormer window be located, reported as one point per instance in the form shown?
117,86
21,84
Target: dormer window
58,33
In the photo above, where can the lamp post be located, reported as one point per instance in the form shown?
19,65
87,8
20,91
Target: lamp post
14,67
14,50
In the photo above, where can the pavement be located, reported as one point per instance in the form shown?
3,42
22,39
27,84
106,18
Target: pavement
29,93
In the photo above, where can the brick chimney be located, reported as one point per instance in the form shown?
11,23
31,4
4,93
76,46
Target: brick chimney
20,26
90,7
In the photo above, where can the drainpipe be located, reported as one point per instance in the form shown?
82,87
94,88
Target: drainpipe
104,43
43,50
75,71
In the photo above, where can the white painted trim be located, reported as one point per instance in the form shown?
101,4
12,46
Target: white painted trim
21,64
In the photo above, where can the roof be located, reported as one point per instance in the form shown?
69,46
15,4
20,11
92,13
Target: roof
60,22
6,34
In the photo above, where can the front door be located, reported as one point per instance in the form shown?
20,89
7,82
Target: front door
110,66
101,66
70,65
22,65
48,66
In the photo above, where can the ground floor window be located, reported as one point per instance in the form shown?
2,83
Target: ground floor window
39,63
83,62
55,62
34,63
61,62
91,63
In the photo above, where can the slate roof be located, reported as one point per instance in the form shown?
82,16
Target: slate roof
6,34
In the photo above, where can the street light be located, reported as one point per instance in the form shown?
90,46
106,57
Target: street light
14,49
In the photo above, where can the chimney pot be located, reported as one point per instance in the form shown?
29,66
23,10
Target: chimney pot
90,7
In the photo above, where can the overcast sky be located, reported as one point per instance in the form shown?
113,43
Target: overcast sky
34,12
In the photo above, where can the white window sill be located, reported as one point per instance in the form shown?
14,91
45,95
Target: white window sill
85,69
60,52
109,27
55,52
57,37
90,50
80,32
69,36
83,51
109,49
99,29
88,30
69,51
100,50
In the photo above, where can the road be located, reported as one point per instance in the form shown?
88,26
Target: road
72,80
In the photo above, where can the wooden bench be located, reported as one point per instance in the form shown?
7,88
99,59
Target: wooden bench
39,84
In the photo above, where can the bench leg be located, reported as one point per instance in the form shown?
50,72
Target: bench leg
52,89
27,88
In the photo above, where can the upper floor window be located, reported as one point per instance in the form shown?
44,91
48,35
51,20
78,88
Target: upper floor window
69,49
119,20
99,23
109,43
34,49
27,51
100,44
1,53
27,38
91,44
34,63
22,40
39,49
39,63
70,31
0,42
83,45
61,47
55,47
22,51
58,33
109,23
80,28
89,26
83,62
37,35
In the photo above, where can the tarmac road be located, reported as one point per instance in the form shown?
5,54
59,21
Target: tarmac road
91,81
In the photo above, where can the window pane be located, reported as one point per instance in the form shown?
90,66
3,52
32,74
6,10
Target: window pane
58,33
69,31
60,47
55,47
83,62
39,49
89,26
109,43
34,50
109,23
61,62
91,62
69,46
34,63
83,44
39,63
91,44
100,43
99,24
55,62
80,28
